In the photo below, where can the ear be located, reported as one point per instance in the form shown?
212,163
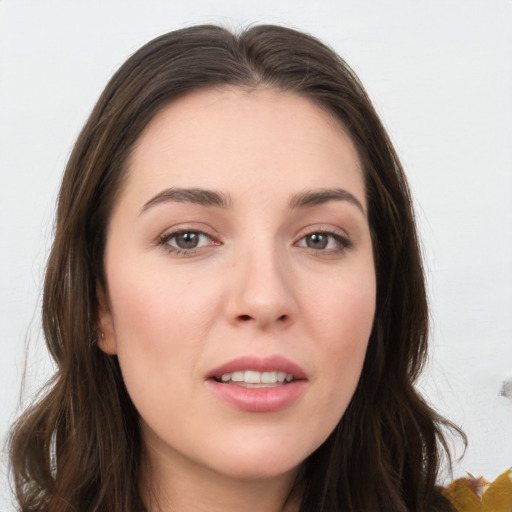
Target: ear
106,336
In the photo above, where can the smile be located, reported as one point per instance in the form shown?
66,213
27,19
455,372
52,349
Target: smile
255,384
255,379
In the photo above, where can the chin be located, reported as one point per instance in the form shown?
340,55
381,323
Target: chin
271,469
260,461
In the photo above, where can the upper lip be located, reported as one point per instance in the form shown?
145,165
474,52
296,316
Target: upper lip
260,364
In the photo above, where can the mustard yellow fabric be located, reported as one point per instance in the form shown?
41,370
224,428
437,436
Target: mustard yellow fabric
477,495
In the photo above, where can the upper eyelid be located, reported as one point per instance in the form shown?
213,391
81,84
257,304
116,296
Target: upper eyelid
169,235
330,230
179,231
176,230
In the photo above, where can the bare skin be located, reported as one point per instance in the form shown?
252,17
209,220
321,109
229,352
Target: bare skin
238,249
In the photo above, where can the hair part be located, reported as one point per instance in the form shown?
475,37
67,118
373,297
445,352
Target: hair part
79,447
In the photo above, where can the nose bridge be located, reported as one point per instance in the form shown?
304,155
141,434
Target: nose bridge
262,290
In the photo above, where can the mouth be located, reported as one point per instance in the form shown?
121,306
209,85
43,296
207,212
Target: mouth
259,384
258,371
256,379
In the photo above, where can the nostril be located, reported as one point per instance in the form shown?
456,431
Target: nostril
247,318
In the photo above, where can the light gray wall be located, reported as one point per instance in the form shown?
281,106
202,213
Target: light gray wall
440,73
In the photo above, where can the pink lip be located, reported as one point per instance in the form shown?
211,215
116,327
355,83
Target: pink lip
260,364
270,399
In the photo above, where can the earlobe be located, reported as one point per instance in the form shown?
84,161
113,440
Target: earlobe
106,334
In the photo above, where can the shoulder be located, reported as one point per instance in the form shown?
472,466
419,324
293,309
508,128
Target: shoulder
472,494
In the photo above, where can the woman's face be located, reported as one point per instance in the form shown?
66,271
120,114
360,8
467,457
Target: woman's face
240,281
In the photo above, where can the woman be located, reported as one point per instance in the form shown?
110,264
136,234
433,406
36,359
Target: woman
234,299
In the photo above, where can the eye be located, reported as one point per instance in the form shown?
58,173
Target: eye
185,241
325,241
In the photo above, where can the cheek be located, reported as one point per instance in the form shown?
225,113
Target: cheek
156,303
341,323
338,319
161,324
343,311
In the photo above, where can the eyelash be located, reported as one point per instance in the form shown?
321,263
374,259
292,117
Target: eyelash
343,242
165,239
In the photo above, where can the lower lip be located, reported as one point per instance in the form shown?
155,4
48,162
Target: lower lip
259,399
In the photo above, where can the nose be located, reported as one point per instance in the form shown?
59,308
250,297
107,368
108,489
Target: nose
262,292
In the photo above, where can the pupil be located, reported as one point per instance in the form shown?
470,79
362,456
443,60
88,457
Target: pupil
187,240
317,241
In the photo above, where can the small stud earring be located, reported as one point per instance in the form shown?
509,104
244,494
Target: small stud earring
98,334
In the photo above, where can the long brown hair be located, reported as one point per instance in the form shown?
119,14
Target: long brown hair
79,447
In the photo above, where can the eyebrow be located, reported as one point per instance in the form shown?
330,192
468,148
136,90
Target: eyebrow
204,197
198,196
317,197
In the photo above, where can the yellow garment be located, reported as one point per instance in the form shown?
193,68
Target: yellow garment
477,495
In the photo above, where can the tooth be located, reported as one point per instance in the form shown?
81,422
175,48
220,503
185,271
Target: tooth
237,376
269,377
252,377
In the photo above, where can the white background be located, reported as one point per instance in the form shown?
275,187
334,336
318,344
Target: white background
440,74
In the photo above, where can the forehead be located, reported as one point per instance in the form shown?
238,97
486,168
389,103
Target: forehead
233,138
